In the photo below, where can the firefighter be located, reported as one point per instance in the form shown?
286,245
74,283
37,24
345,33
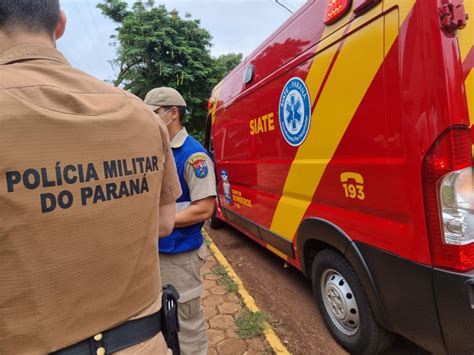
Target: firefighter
182,253
87,183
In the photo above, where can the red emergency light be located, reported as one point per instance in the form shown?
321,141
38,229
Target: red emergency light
210,104
336,9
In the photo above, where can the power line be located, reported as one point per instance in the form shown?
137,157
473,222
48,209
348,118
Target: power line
277,2
69,56
100,32
87,30
274,3
289,5
95,23
75,57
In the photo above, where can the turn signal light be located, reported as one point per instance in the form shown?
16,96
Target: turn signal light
336,10
210,103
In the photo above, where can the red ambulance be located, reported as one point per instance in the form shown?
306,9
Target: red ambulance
343,144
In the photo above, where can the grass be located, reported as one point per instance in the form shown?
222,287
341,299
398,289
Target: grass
225,280
207,243
251,325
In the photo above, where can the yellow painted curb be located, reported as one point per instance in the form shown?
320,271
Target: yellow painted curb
270,335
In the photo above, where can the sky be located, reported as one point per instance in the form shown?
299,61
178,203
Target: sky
237,26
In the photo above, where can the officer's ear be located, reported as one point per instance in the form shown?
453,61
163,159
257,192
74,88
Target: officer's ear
61,26
175,112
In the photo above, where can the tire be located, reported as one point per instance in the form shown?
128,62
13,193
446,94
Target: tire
344,306
215,222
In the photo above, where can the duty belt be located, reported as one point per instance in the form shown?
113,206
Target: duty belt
120,337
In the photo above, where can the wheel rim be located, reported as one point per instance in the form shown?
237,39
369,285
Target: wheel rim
340,302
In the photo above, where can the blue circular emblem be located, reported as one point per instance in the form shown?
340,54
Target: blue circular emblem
295,111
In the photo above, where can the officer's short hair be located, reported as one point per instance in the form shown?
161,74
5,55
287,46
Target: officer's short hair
29,15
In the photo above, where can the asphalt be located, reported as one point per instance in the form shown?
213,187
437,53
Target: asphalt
223,307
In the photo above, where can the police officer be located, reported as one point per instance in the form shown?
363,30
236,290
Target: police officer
182,254
87,183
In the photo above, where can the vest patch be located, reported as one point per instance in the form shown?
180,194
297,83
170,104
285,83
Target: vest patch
199,164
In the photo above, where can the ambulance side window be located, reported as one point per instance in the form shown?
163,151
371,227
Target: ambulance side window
249,74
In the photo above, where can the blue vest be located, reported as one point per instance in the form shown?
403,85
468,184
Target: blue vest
186,238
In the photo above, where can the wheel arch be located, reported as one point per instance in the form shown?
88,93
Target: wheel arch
316,234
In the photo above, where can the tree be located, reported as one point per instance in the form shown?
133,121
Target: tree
225,63
157,47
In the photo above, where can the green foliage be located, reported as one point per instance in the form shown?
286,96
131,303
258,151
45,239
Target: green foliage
207,241
225,63
225,280
157,47
251,324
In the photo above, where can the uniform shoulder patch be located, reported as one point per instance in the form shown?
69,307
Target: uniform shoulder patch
199,164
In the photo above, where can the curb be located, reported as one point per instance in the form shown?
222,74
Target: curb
270,335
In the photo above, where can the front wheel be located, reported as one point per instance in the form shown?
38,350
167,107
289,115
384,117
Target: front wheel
344,305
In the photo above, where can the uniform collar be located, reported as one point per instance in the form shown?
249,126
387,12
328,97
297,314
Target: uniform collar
179,138
11,52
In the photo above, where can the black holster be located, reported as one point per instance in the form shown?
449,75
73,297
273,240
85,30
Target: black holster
170,323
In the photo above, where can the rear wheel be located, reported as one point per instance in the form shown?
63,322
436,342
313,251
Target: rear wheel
344,305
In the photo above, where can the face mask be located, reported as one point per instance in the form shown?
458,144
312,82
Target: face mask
169,122
161,114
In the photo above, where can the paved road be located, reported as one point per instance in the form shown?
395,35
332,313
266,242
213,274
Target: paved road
285,295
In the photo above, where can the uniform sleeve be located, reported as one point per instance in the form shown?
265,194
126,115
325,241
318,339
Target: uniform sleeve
170,189
200,176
